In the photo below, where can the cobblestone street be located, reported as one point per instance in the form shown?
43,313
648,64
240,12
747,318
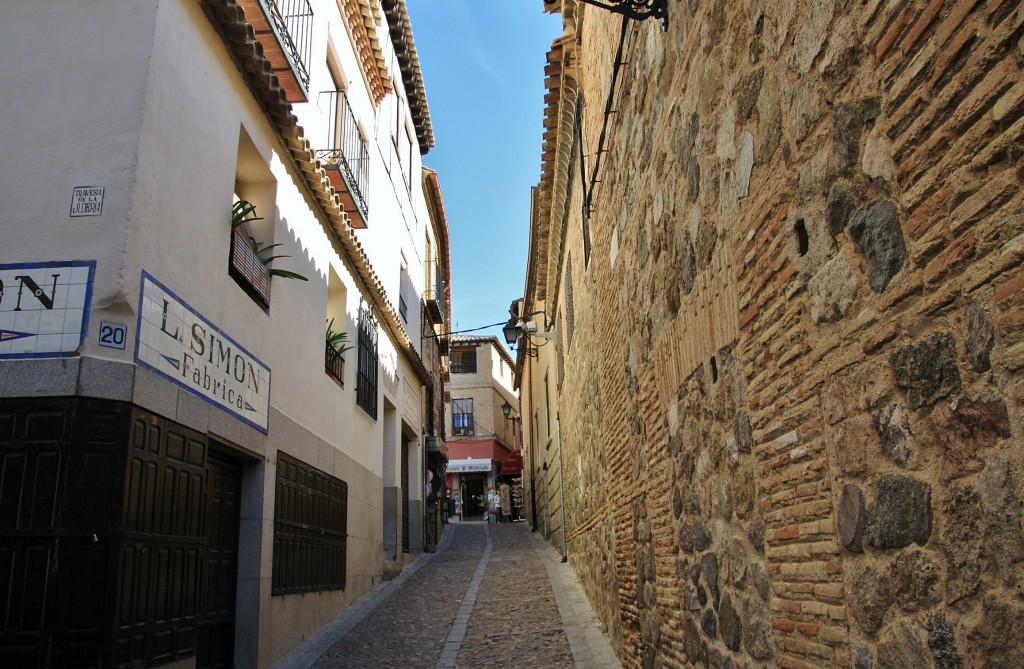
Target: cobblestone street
479,602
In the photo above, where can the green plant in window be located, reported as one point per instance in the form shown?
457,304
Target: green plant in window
337,340
243,212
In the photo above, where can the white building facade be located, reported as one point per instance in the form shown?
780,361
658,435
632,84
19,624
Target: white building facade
194,476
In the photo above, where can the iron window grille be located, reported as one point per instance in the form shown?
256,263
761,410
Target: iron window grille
403,309
462,417
310,529
463,362
366,378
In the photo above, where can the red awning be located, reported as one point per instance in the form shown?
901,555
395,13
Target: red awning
513,464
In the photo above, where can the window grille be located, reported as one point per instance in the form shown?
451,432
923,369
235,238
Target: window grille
463,361
366,379
310,529
462,417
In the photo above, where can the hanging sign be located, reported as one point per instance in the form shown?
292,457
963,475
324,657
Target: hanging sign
176,342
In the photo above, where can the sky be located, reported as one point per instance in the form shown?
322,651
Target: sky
483,70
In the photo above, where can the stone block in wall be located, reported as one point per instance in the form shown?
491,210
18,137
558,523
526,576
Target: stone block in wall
966,425
1000,622
901,513
902,648
832,290
927,371
1002,495
962,539
917,577
942,643
876,230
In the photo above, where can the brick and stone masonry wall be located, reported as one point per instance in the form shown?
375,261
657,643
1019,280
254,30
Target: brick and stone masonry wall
791,413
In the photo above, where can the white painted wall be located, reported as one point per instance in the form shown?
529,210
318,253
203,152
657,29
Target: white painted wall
142,99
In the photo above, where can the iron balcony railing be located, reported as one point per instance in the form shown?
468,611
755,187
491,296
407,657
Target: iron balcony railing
435,296
334,364
348,153
293,23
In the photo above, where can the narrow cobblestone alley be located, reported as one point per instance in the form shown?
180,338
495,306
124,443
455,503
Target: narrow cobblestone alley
478,603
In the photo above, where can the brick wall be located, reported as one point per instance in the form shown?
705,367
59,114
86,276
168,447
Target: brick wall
791,408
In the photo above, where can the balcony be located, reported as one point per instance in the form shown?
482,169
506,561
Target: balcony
334,365
347,161
434,298
284,29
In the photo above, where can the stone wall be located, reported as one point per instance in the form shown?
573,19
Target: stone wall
791,406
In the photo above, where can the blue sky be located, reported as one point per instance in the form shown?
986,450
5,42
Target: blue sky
483,69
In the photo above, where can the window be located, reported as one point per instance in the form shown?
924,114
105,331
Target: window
462,417
547,404
570,320
252,222
336,322
404,286
560,349
366,379
463,361
345,158
583,183
310,529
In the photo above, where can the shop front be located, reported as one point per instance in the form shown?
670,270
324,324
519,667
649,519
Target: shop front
469,480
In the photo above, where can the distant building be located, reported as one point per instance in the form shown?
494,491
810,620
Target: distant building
481,437
193,472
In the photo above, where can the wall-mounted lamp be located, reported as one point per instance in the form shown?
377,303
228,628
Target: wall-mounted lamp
506,410
634,9
516,329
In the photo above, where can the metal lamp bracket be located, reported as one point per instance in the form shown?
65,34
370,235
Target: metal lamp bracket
637,10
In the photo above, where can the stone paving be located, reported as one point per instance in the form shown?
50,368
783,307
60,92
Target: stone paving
492,596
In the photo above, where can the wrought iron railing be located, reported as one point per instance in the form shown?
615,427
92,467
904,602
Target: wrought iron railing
293,23
348,152
435,295
334,364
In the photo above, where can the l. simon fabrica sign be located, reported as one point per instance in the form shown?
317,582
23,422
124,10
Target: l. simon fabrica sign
180,345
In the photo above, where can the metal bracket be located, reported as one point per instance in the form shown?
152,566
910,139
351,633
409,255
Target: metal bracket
638,10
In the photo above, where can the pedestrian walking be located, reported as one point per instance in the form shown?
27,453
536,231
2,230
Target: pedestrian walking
494,504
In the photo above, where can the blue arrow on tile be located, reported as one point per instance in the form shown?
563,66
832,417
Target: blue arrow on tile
173,361
11,335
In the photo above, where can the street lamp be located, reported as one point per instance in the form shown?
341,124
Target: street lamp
516,328
511,332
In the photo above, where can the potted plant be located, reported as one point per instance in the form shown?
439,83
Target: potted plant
337,344
250,260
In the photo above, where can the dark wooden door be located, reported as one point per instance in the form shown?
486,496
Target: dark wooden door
405,497
216,633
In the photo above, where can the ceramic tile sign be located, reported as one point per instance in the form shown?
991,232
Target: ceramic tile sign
178,343
87,201
44,307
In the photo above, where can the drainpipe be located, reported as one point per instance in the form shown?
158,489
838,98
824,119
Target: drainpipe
561,482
